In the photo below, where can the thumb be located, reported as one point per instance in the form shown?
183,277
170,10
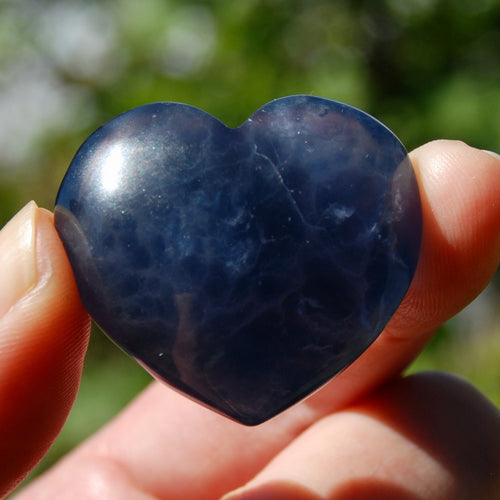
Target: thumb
44,333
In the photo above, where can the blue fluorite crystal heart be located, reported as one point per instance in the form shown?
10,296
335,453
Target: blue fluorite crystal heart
247,266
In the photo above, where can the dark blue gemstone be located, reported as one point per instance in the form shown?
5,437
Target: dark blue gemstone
247,266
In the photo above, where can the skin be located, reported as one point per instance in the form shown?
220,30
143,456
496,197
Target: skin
368,434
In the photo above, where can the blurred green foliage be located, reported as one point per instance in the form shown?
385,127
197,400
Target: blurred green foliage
426,68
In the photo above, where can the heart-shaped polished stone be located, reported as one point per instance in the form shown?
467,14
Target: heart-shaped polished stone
247,266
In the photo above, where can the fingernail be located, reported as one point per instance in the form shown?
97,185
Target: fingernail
492,153
17,257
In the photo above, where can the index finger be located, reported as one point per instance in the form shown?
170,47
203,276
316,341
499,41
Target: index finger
165,446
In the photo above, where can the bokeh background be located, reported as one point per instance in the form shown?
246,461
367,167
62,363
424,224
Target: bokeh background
426,68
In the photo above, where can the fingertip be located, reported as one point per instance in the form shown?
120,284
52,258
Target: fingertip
43,338
460,192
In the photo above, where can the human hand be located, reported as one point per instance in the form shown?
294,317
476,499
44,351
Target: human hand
368,434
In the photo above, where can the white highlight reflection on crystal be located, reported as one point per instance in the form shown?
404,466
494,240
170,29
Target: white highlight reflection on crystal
112,169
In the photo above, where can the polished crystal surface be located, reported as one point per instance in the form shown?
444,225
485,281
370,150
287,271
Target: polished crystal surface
248,266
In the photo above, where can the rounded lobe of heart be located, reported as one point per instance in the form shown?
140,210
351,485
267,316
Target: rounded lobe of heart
245,267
